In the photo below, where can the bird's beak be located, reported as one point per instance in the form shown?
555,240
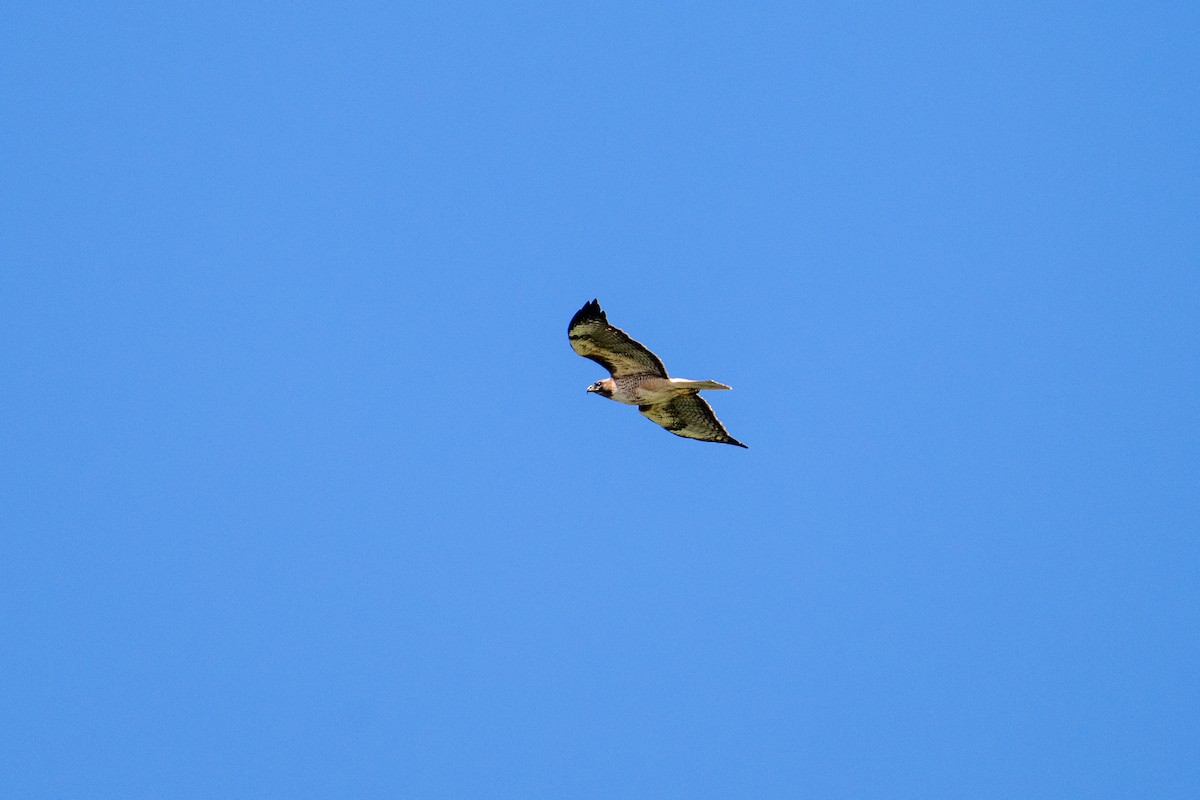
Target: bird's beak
591,389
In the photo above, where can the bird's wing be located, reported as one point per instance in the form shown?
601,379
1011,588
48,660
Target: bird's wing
592,337
689,416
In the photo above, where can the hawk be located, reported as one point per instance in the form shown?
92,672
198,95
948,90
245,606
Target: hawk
639,379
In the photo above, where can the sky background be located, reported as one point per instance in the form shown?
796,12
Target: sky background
302,495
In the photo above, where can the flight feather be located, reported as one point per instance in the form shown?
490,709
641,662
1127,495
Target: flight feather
592,337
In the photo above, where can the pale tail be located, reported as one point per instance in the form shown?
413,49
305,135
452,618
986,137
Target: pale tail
686,384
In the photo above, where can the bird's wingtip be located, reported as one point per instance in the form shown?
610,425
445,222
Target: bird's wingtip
591,310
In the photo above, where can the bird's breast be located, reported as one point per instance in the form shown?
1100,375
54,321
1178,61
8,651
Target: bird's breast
640,391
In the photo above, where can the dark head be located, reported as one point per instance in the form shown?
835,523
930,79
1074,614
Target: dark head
603,388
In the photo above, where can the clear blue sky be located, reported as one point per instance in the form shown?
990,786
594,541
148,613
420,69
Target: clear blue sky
302,494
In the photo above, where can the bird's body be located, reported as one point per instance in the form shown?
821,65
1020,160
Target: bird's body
636,390
638,378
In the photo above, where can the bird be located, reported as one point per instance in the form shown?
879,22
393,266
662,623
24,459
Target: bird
638,378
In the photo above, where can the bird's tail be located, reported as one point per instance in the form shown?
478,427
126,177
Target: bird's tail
680,383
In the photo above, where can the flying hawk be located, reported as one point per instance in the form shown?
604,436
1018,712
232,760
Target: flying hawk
640,379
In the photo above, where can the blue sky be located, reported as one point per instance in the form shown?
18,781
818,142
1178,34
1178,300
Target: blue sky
303,495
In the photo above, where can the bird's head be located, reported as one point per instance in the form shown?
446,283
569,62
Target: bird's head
603,388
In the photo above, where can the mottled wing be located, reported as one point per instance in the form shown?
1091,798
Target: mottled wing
592,337
689,416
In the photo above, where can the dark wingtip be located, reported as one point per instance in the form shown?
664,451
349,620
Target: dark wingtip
590,311
739,444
